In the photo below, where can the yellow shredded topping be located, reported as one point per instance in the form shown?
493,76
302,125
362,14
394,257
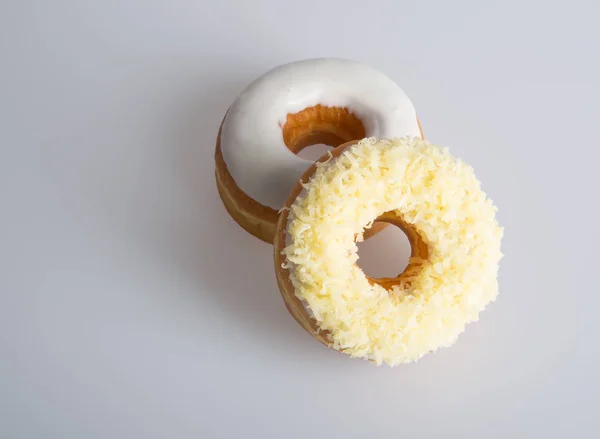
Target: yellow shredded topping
437,194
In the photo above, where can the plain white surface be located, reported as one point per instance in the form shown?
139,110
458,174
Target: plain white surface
131,305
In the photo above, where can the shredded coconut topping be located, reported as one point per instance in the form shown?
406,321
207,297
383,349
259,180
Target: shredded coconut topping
436,194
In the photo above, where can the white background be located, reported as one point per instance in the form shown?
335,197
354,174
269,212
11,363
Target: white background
132,306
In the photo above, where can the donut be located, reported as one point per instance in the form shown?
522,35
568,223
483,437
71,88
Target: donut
451,225
327,101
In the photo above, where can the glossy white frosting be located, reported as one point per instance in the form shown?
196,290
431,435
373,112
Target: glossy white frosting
251,139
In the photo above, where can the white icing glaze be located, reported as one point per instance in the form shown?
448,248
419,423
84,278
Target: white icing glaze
251,140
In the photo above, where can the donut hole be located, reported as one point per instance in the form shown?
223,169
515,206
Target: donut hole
394,255
386,254
320,127
314,152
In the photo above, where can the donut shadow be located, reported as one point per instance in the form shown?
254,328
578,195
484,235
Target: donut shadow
230,269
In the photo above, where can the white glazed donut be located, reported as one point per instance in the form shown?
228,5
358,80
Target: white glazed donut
329,101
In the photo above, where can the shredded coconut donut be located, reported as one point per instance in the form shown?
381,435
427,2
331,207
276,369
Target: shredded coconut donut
436,196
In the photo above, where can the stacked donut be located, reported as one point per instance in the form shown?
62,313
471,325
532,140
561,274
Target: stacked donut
380,172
